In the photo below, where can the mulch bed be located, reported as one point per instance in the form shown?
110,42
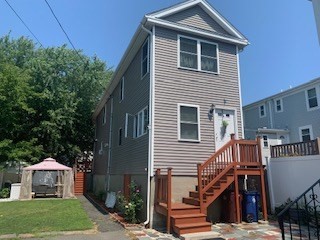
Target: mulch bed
98,203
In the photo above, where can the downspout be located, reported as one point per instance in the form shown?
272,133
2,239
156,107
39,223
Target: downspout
109,144
151,122
245,181
271,115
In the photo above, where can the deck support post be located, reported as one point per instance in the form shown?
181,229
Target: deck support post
263,195
169,201
236,196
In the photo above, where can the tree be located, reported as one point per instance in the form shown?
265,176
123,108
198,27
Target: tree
49,95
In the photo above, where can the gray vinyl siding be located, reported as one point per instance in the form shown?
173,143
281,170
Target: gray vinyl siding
253,121
102,135
196,17
132,156
173,86
294,115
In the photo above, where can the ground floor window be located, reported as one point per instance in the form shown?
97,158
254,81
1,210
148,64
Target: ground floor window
305,133
188,122
141,122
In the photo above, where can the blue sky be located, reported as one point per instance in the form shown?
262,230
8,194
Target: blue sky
284,49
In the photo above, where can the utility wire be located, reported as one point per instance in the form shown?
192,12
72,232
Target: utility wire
23,23
65,33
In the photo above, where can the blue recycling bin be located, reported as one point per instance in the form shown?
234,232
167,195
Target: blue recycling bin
250,206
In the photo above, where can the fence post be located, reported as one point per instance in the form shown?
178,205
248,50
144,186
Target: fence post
169,200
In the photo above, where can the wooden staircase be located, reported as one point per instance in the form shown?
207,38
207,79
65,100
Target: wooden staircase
237,157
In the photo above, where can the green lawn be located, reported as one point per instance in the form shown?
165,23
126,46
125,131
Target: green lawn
42,216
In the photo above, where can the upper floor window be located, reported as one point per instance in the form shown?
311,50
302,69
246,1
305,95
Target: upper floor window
145,59
262,111
198,55
278,105
121,90
188,122
104,114
312,98
305,133
141,122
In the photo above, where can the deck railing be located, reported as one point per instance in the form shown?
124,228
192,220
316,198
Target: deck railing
163,192
296,149
302,216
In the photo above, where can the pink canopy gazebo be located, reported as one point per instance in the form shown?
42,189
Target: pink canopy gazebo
63,184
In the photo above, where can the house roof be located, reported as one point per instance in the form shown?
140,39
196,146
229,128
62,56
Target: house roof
48,164
284,93
155,19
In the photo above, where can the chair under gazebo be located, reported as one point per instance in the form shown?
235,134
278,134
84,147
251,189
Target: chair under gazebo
48,179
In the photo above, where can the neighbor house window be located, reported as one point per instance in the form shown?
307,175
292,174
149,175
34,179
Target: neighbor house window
312,99
278,105
121,90
198,55
104,114
265,141
262,110
120,137
145,58
141,122
188,122
305,133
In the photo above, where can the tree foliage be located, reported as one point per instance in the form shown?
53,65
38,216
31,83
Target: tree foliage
47,97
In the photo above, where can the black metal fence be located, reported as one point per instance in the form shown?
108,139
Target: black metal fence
302,217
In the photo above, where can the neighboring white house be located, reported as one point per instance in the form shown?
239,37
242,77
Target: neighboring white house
287,117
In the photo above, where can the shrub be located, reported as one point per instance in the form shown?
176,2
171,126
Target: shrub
133,205
5,193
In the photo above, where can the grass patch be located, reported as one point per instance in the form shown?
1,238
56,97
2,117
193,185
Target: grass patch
43,216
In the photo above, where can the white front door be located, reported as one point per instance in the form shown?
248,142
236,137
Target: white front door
224,125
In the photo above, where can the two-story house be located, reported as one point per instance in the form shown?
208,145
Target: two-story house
173,101
287,117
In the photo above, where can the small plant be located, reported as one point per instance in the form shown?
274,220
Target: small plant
131,206
4,193
225,123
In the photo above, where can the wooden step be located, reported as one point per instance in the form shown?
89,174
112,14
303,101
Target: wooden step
191,201
195,194
192,228
183,208
188,218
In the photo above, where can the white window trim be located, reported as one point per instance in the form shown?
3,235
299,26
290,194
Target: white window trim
305,127
121,90
104,115
178,122
198,54
135,132
264,107
148,58
101,148
275,105
307,98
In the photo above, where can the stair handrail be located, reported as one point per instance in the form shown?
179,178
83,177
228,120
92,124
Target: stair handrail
223,160
307,212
